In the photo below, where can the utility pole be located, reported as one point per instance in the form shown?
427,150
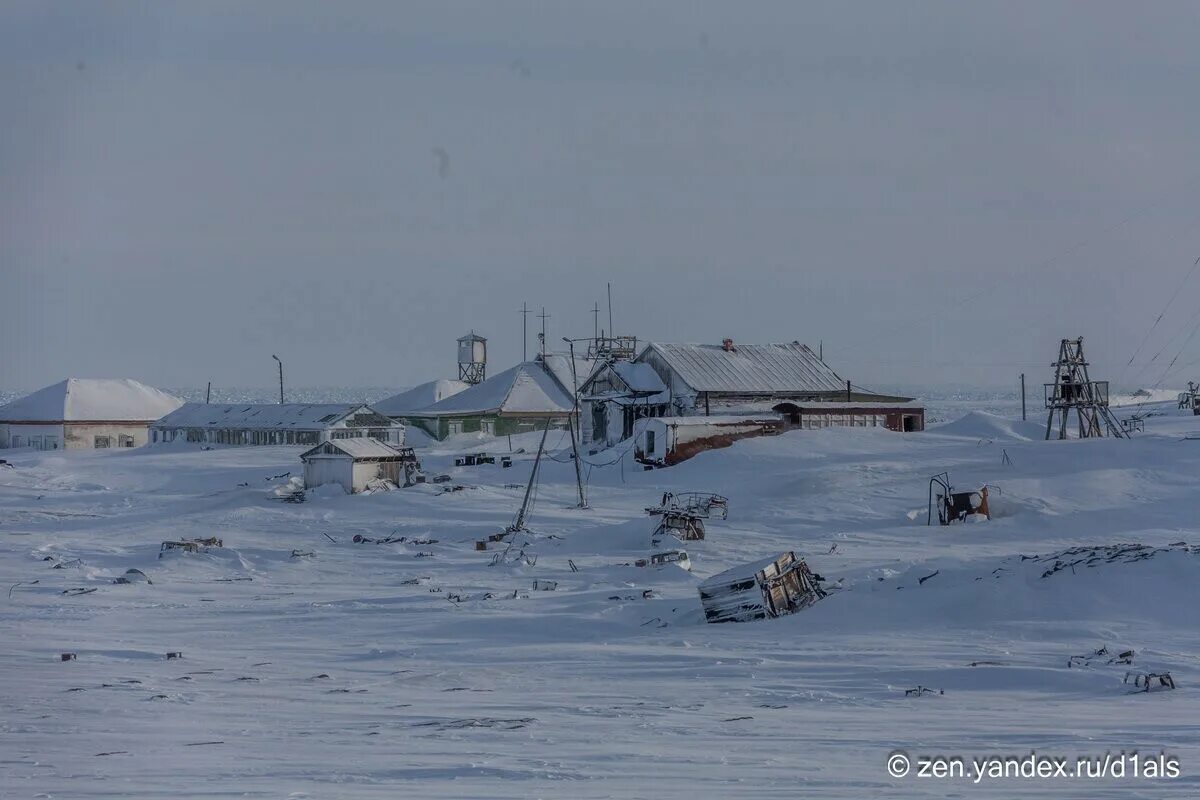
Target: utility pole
208,394
595,321
524,312
280,378
571,423
543,316
1022,396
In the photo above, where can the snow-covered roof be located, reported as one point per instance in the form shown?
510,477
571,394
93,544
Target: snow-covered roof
419,397
560,367
745,571
524,389
640,378
362,447
92,400
748,368
261,416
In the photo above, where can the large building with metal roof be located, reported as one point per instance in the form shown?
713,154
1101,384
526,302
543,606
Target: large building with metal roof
271,423
688,380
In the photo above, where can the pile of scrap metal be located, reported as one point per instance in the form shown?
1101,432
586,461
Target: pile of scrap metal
191,545
760,590
1124,657
701,504
683,525
955,506
682,515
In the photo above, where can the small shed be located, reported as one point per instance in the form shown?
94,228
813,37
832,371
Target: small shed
760,590
354,463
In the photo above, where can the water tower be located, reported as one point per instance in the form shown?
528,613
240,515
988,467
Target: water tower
472,358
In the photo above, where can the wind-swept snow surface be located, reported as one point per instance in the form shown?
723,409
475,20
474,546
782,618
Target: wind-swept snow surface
316,667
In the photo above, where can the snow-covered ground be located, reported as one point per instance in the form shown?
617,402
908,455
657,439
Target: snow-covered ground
416,669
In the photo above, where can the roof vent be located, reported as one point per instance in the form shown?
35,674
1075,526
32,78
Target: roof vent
727,345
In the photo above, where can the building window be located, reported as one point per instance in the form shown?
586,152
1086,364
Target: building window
649,442
124,441
100,442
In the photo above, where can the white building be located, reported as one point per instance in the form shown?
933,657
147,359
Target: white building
271,423
84,413
354,463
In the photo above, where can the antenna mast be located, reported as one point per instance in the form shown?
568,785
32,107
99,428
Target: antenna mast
524,312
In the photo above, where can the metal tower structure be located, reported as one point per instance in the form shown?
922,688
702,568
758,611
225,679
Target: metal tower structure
472,358
1074,390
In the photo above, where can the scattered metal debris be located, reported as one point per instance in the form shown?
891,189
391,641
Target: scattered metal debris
927,577
191,545
478,722
1125,657
921,691
303,554
68,657
174,654
543,585
20,584
77,591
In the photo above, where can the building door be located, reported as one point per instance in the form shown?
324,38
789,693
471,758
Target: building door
600,422
454,427
50,442
488,426
35,442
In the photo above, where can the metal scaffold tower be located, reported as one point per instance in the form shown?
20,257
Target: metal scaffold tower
1074,390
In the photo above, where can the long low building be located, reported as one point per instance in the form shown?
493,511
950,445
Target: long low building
84,414
271,423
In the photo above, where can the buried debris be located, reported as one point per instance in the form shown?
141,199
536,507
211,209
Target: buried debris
1147,680
683,525
67,657
191,545
955,506
133,576
303,554
760,590
1124,657
174,654
543,585
679,557
921,691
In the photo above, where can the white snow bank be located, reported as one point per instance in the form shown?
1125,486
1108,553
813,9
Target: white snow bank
981,425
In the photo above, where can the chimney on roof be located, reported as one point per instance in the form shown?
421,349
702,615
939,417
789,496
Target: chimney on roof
727,345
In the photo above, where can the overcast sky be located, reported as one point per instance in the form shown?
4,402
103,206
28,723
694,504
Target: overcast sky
939,191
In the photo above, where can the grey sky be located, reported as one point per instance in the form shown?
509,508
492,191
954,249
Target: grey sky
940,191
